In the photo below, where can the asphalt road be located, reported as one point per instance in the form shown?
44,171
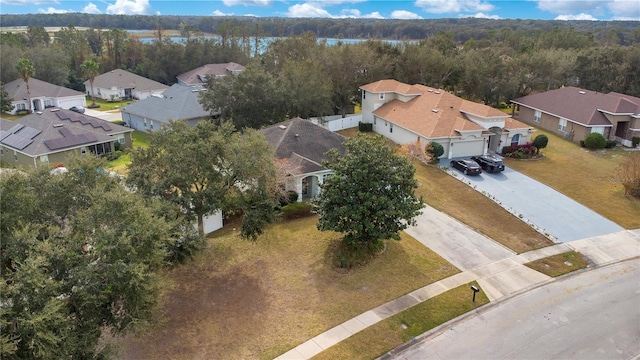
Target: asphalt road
590,315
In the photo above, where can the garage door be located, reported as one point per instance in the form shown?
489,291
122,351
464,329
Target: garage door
468,148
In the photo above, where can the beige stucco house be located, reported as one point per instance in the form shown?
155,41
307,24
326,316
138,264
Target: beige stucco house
120,84
420,114
43,95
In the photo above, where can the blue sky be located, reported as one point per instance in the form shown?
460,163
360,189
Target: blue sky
416,9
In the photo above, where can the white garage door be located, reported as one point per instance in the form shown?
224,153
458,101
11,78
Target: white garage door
468,148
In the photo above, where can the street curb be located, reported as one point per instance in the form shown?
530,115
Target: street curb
440,329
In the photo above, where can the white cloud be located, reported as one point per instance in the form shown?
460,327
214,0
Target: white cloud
373,15
581,16
91,8
129,7
453,6
51,10
307,10
247,2
217,12
624,9
350,13
485,16
404,15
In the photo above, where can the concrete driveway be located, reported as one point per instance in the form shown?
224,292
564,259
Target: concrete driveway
553,212
104,115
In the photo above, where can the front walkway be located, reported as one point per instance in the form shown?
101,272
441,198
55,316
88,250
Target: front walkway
499,272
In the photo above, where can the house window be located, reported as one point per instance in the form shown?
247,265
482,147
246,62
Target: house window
83,150
20,107
121,139
381,96
598,129
562,124
47,103
151,122
374,120
364,94
537,115
15,155
391,127
44,159
145,122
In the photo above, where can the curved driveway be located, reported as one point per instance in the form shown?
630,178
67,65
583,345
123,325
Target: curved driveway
553,212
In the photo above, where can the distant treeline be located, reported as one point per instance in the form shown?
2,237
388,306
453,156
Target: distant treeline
620,32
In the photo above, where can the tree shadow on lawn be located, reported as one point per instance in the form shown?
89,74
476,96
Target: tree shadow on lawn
198,317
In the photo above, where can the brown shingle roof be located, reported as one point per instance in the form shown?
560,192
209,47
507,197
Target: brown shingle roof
197,75
303,144
580,105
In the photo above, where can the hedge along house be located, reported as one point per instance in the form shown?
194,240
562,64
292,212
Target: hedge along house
53,135
574,113
300,147
419,114
43,95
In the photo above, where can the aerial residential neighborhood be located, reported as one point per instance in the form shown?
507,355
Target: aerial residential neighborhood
229,187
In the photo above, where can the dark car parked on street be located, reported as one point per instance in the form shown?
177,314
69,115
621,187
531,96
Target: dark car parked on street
468,167
490,163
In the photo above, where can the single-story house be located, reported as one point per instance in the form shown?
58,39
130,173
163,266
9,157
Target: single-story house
300,147
121,84
420,114
575,113
199,76
43,95
176,103
50,136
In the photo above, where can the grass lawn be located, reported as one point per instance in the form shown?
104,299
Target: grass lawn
560,264
140,139
390,333
108,105
256,300
584,176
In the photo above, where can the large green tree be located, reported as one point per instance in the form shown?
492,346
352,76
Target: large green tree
208,168
371,195
78,258
26,70
5,100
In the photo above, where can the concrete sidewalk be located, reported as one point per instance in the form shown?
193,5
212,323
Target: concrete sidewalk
497,279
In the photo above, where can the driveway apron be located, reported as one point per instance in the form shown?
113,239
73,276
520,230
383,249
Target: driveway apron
455,241
553,212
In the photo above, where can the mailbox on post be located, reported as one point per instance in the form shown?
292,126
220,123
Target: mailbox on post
475,290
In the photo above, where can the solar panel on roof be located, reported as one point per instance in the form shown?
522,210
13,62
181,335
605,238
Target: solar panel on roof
4,134
15,128
69,141
16,141
65,132
29,132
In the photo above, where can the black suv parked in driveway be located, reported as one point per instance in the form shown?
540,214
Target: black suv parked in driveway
489,163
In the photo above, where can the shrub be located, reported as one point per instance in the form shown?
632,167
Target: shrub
523,151
434,149
296,210
635,141
582,143
117,146
540,142
93,106
114,155
595,141
365,127
24,112
120,122
628,174
288,197
610,144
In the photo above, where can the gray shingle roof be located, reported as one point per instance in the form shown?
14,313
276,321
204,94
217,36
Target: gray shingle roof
123,79
17,89
580,105
58,130
303,143
179,102
199,75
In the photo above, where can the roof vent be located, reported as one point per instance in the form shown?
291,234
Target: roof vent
430,90
436,92
582,92
434,110
39,112
282,127
57,125
54,110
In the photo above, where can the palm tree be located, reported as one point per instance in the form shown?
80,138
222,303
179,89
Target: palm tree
90,71
26,70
